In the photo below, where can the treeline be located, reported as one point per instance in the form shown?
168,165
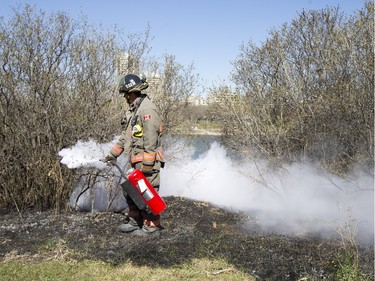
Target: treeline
57,86
307,93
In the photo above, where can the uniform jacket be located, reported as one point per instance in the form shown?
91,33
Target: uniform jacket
142,134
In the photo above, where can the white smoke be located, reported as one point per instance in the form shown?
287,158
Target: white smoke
85,154
297,200
98,188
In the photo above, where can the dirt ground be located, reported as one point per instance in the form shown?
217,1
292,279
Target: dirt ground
192,229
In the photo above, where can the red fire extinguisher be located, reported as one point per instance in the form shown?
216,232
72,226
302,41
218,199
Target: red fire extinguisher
141,191
144,188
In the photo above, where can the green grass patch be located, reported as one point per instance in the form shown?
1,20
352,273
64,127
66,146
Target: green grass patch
198,269
348,269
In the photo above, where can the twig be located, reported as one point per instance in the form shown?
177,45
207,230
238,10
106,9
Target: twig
15,203
221,271
82,191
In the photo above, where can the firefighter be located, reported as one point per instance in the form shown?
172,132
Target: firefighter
141,140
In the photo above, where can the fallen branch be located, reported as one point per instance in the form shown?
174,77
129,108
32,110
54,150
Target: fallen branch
220,271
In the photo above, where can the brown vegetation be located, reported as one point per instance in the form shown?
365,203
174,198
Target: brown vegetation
307,93
57,86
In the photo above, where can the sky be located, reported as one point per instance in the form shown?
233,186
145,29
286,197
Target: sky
206,33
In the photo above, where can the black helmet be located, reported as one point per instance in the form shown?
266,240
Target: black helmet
132,83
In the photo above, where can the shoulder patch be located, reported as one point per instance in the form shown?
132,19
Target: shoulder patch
146,117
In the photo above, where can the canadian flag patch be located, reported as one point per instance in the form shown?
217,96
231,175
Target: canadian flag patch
146,117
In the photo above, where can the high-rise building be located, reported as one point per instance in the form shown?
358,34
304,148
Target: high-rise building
127,64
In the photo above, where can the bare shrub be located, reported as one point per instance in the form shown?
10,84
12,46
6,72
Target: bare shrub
56,86
307,92
175,84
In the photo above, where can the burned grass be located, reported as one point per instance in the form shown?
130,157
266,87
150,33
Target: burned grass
192,230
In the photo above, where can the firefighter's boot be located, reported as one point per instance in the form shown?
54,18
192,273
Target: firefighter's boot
151,226
147,231
129,226
132,223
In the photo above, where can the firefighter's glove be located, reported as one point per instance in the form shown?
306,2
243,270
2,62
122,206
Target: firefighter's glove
110,159
146,169
115,152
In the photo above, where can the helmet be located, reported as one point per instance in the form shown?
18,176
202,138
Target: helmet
132,83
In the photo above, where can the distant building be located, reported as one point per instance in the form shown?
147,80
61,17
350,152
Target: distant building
194,100
127,64
221,97
154,80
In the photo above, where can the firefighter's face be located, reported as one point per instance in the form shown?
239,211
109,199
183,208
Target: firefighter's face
126,96
130,97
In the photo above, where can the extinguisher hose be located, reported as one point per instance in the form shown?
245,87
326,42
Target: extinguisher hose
120,170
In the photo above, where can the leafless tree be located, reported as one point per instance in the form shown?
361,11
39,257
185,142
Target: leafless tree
307,92
176,84
56,86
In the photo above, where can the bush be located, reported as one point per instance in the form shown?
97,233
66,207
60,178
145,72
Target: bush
306,93
56,86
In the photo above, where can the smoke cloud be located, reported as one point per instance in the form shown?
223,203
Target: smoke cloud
85,154
98,188
297,200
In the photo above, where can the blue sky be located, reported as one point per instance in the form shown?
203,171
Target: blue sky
207,33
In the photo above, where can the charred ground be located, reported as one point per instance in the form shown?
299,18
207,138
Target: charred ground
192,230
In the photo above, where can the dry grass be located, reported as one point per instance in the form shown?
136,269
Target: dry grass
197,269
199,242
